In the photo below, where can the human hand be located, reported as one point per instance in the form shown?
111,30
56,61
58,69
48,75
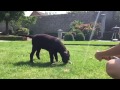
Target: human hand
110,57
107,57
98,55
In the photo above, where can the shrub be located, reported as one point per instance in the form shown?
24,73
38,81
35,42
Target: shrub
77,31
108,36
79,37
68,37
11,32
63,34
53,34
85,28
87,34
22,31
31,32
75,25
12,38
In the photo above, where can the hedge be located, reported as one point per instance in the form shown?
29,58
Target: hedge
13,38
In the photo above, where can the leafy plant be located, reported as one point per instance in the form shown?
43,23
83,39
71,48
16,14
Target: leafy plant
23,22
75,25
23,31
7,16
79,37
68,37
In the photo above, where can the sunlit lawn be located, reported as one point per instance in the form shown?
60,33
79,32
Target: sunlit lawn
14,62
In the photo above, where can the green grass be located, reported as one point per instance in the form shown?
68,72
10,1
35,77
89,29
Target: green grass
14,63
94,42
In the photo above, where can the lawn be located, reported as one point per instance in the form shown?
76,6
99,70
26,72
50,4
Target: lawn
93,42
14,62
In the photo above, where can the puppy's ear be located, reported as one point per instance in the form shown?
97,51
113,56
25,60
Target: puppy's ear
68,51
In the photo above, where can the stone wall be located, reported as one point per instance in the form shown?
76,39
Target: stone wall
52,23
2,27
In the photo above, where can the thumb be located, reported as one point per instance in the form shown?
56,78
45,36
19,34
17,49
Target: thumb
97,51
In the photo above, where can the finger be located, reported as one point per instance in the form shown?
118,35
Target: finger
106,58
115,57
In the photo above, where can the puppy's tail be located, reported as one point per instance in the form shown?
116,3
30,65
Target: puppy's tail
30,36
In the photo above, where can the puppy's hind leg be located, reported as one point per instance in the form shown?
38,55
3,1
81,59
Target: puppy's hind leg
32,54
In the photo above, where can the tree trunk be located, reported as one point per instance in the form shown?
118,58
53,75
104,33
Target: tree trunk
7,31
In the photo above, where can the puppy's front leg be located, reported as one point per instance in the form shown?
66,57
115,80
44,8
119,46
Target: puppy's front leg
56,57
51,57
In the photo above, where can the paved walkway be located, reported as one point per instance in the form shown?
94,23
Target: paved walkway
90,44
4,41
28,39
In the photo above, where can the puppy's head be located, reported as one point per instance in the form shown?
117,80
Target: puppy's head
66,56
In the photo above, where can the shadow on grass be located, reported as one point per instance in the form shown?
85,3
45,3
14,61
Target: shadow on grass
39,64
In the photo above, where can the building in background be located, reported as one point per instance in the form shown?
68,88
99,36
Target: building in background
37,13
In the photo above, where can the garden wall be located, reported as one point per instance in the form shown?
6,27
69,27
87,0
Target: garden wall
52,23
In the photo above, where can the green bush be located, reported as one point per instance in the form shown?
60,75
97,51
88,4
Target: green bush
77,31
87,34
79,37
11,32
53,34
75,25
22,31
68,37
31,32
12,38
108,36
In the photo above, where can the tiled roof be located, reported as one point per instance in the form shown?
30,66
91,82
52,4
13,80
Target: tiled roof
37,13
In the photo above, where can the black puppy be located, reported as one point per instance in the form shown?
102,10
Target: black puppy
52,44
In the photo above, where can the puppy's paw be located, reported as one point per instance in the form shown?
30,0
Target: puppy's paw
70,62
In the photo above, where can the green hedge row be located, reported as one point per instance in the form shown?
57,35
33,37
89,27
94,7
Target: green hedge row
52,34
13,38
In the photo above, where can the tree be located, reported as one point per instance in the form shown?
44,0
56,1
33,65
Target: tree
7,16
23,22
27,21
